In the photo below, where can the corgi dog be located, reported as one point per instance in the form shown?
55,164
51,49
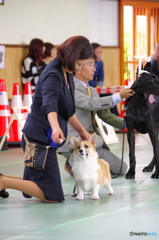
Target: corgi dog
89,172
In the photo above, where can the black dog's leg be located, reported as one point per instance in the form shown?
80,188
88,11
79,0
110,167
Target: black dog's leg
154,139
150,167
131,141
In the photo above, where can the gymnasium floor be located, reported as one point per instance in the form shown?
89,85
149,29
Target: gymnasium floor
134,207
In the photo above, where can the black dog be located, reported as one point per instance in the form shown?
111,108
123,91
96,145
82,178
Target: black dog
143,116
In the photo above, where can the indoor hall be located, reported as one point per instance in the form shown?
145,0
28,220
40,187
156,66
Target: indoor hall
133,209
127,31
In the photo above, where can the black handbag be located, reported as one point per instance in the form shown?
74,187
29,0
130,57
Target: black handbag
35,154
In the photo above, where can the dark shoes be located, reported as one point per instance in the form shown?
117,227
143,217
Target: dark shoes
4,193
68,168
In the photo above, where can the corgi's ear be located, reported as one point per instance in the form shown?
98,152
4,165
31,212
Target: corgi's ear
93,138
74,141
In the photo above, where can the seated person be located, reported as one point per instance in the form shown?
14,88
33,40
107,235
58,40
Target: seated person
98,77
86,108
33,62
49,55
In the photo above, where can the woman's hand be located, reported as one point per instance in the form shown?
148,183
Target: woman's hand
84,135
127,92
57,135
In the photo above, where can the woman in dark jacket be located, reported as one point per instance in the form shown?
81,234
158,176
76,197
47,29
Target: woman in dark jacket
53,107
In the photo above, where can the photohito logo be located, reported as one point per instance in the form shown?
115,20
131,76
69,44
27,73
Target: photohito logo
154,234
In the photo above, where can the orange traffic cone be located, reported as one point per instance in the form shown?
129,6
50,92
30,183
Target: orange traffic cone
128,83
27,100
16,102
122,112
4,114
122,115
4,108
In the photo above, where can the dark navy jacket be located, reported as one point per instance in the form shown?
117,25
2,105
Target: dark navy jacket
51,94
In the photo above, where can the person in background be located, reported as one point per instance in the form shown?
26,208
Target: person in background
154,66
50,52
98,77
52,108
33,62
49,55
87,105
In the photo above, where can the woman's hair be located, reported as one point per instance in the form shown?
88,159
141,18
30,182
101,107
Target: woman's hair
74,48
95,45
48,48
36,50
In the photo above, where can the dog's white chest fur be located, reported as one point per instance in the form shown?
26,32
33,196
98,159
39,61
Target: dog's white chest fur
85,172
90,173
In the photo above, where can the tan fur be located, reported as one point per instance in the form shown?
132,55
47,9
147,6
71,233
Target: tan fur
90,173
86,142
103,172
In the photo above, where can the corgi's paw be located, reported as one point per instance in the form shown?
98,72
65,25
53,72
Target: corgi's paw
95,197
87,193
111,193
110,190
79,197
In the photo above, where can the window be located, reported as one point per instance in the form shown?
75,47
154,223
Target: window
138,36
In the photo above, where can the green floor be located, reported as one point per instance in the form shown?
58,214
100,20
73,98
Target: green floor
134,207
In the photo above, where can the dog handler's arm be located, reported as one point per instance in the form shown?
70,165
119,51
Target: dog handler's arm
57,133
73,121
124,93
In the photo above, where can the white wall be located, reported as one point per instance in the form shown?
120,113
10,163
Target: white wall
50,20
57,20
104,22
